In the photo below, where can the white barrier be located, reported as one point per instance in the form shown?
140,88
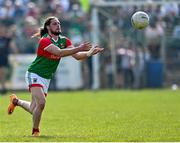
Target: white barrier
69,74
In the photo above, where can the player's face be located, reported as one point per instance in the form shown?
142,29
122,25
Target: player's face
55,27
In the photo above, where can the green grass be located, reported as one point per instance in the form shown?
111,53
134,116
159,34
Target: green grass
146,115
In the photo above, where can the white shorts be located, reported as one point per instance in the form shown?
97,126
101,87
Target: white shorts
34,80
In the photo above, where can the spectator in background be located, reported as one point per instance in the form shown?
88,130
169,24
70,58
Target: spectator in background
139,66
25,42
170,8
153,34
7,10
65,4
18,11
176,31
33,11
109,72
6,43
127,63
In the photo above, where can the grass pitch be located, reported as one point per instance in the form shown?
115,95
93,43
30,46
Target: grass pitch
101,116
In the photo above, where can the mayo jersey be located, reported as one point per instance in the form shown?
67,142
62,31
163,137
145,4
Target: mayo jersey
46,63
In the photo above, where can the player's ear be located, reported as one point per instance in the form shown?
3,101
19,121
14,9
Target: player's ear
48,27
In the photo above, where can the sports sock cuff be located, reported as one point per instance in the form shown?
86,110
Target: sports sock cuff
15,102
35,130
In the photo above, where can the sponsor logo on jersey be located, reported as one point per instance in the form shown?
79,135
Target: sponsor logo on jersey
54,57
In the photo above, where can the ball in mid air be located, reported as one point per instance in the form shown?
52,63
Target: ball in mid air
140,20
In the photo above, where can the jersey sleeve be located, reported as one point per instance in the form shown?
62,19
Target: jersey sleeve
68,42
44,42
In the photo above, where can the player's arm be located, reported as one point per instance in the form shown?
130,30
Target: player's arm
86,54
67,51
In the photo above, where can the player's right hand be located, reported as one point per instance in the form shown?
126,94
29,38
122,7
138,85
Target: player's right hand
86,46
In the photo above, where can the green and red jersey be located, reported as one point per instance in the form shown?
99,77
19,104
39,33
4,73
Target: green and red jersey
46,63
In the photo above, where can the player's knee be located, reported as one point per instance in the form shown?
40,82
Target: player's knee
41,104
32,107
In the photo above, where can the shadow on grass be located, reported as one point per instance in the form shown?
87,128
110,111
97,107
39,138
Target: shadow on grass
42,137
57,137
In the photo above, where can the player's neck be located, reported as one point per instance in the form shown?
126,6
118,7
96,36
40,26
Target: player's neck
55,37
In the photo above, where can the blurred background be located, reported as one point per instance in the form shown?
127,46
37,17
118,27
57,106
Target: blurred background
132,59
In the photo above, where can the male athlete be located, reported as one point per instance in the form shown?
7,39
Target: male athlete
52,46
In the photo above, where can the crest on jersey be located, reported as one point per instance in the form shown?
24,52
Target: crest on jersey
34,80
62,46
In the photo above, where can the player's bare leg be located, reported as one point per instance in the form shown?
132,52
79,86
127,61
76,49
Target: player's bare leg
35,107
38,96
26,105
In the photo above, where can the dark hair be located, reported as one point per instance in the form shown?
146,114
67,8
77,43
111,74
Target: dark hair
44,30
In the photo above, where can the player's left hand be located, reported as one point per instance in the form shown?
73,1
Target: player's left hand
95,50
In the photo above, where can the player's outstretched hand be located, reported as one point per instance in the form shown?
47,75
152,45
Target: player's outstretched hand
86,46
94,50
